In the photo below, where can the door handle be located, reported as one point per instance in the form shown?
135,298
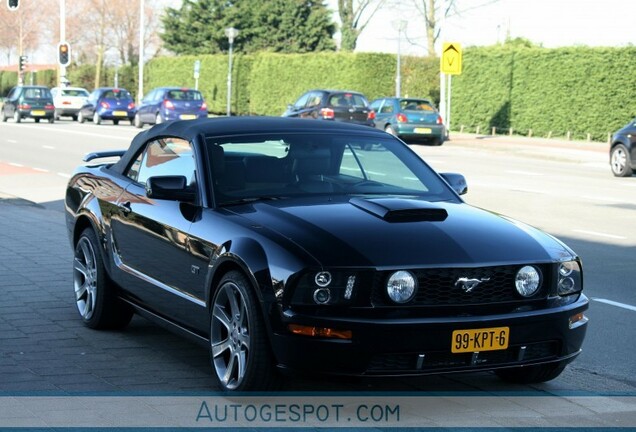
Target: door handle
124,207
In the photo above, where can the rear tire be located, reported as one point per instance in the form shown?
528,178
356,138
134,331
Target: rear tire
97,119
158,119
531,374
74,118
37,120
3,115
80,117
240,352
51,120
115,122
620,162
16,117
389,129
137,122
95,294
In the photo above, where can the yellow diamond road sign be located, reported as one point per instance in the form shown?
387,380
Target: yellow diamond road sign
451,61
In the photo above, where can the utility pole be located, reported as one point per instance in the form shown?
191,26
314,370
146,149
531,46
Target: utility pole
140,89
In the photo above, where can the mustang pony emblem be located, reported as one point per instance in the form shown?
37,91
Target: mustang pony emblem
469,284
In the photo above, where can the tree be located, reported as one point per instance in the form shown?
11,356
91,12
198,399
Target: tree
432,11
354,17
273,25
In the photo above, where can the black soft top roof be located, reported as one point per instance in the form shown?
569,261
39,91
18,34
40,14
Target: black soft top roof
224,126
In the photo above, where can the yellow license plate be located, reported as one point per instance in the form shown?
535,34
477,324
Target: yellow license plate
484,339
423,130
187,116
38,113
120,113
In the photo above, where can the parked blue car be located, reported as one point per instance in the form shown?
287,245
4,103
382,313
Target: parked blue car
108,103
170,103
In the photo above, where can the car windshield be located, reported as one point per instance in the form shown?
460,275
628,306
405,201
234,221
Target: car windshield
416,105
74,92
116,94
186,95
285,165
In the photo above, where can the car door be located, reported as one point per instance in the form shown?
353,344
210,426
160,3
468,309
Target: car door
146,107
385,113
150,235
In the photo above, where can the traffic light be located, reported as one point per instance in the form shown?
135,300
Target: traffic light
13,4
64,54
23,62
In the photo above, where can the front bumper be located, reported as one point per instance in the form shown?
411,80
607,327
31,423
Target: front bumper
423,346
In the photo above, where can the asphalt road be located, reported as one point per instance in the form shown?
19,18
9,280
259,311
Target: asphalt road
564,188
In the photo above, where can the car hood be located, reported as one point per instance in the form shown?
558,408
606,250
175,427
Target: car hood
397,232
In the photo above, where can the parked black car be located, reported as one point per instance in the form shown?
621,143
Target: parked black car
412,119
334,105
108,103
320,247
33,102
623,151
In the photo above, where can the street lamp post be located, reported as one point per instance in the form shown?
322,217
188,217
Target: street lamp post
400,26
142,30
231,33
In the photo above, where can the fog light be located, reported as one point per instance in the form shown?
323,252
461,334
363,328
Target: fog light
527,281
319,331
322,295
401,286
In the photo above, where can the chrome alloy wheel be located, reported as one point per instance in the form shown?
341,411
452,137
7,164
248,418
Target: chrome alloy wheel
85,278
619,160
230,335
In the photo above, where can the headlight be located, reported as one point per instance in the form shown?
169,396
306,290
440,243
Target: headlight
401,286
527,281
569,278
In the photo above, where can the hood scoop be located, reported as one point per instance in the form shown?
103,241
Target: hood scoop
401,210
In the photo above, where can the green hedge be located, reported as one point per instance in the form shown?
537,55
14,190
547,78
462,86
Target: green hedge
580,90
265,83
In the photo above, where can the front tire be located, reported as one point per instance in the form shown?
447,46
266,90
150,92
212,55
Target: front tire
3,115
531,374
137,122
389,129
80,117
96,118
620,161
239,348
158,119
95,295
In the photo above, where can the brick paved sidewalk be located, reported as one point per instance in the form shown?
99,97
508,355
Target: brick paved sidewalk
43,344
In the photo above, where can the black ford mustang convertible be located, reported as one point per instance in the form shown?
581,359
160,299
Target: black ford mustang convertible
289,245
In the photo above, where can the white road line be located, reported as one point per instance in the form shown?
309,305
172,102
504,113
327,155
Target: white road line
617,304
605,199
16,164
64,175
599,234
525,173
72,131
41,169
12,141
535,191
48,147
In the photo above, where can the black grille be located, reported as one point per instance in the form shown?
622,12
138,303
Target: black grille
440,286
387,363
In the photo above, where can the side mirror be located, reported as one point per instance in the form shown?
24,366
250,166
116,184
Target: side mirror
456,181
172,188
